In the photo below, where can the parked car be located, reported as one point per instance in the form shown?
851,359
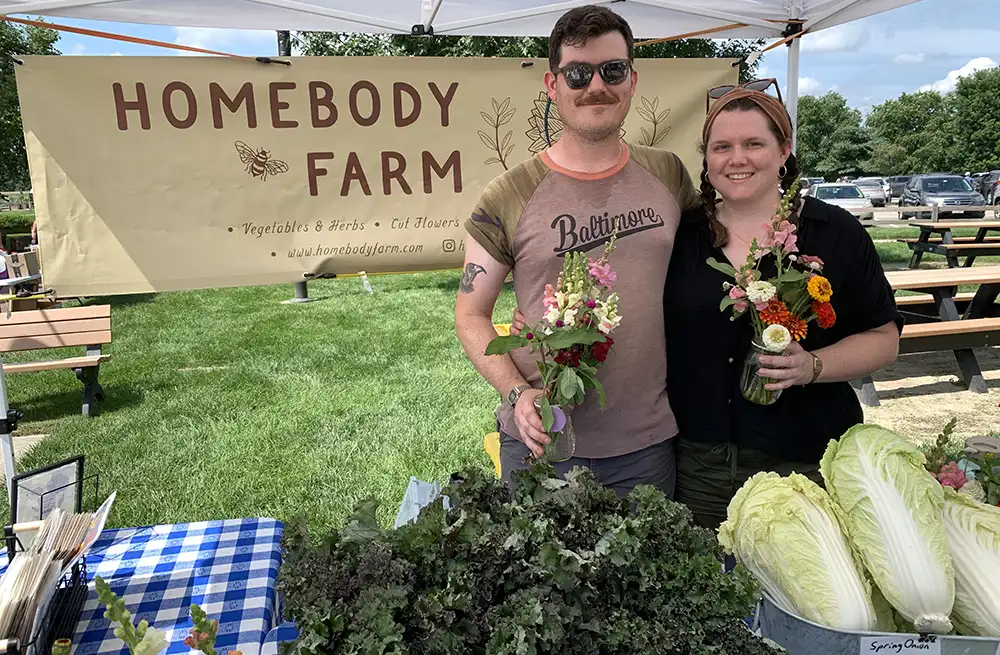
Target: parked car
948,192
848,196
896,185
873,188
989,187
807,182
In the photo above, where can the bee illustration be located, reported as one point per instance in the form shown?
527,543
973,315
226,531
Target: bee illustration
259,162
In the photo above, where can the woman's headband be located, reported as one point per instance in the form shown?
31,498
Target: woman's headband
767,103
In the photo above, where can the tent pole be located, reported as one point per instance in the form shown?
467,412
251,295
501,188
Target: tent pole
793,88
285,50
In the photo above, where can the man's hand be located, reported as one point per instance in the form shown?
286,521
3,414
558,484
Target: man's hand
518,323
529,422
787,370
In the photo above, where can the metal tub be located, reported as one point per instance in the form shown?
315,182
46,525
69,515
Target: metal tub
801,637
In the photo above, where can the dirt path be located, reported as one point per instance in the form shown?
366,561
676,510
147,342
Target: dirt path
919,393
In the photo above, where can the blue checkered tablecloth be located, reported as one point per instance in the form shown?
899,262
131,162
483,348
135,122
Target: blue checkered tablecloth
229,568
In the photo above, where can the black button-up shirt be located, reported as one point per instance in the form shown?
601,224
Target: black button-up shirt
706,350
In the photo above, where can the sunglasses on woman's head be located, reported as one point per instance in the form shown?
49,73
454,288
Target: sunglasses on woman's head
717,92
579,75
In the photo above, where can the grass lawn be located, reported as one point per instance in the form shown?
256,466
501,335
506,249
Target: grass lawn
227,403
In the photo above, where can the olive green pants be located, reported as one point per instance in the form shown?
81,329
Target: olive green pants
709,475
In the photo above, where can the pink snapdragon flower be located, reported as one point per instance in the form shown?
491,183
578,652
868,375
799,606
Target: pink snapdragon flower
603,274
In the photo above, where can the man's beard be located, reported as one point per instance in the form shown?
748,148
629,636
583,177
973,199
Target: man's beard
595,133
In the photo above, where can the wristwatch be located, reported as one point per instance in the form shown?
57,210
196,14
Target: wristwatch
515,393
817,367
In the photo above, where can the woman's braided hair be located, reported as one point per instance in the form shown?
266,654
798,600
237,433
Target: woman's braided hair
708,196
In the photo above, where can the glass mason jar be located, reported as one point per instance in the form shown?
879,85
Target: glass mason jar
751,384
563,438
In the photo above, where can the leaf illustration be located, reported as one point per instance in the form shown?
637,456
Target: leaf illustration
491,160
646,139
659,137
490,120
496,107
508,150
506,139
504,106
487,141
506,116
646,114
663,114
649,106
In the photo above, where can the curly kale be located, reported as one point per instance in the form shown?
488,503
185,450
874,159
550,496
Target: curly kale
561,566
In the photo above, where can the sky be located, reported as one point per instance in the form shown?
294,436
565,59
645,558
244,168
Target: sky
924,45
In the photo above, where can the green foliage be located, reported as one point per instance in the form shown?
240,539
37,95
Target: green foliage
559,566
977,121
831,139
16,222
16,41
401,45
914,133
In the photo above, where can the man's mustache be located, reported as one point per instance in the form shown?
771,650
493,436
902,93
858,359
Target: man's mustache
601,99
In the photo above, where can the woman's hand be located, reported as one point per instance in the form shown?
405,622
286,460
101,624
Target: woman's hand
787,370
518,323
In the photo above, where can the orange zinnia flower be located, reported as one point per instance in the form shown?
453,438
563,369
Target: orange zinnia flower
776,312
796,327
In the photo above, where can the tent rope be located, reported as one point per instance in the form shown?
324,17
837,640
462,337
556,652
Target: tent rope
140,41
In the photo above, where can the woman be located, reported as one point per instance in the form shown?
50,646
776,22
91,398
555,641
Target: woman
725,439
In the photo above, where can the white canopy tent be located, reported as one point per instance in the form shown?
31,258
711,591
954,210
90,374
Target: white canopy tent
748,19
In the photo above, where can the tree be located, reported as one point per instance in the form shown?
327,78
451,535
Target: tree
914,133
976,123
16,41
403,45
831,140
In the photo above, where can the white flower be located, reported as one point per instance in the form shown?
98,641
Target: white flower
776,338
573,299
760,291
552,315
569,318
605,326
152,642
561,299
595,293
814,266
974,490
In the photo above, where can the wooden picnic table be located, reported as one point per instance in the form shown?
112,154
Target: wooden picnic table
977,326
951,247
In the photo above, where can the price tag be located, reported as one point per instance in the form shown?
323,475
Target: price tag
901,645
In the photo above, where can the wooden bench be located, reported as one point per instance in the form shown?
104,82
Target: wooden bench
950,335
990,239
61,327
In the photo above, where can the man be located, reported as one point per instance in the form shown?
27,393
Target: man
569,197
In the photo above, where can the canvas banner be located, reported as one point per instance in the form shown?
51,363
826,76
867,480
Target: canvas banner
174,173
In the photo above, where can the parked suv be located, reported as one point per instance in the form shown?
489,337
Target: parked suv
948,192
896,185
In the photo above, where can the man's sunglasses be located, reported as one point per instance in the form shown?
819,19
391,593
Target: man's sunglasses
717,92
579,75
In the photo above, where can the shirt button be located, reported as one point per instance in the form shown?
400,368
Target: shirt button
730,360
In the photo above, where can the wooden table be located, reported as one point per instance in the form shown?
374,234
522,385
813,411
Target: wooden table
952,248
947,328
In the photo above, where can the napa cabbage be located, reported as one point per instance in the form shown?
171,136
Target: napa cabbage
893,516
788,532
973,530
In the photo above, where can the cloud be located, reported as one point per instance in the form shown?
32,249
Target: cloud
260,42
910,59
808,86
951,80
836,39
76,49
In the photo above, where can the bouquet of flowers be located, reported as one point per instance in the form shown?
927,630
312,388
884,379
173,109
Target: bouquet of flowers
782,307
573,340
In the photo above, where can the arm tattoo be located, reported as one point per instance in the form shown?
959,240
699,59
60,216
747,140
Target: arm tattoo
471,271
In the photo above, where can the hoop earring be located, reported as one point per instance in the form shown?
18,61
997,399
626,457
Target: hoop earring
782,172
